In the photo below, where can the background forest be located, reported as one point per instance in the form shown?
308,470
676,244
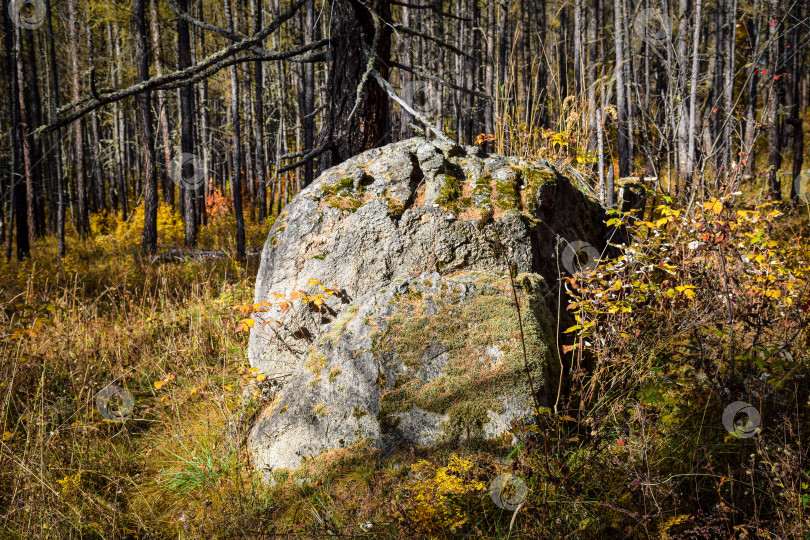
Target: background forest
147,147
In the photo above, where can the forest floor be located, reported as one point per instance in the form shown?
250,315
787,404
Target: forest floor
178,466
165,332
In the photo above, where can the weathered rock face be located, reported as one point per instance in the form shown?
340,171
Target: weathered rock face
422,342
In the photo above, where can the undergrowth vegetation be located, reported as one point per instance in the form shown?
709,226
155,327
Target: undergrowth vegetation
690,310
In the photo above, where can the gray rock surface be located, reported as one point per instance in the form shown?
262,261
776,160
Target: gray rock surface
416,340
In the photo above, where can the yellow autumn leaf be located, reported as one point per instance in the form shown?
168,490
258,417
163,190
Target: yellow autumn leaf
7,435
689,293
160,384
260,377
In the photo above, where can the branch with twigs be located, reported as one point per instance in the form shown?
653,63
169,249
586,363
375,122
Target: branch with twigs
190,75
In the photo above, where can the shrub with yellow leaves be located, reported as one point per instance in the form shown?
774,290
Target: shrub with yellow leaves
441,498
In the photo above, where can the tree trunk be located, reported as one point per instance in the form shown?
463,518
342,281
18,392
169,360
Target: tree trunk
236,186
796,120
145,133
258,117
163,115
307,121
728,85
578,47
187,134
690,166
754,32
489,79
24,138
17,205
57,137
352,25
82,217
621,100
38,172
99,201
205,133
774,129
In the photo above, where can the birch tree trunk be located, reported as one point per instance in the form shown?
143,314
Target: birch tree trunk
236,186
621,100
690,165
163,115
82,217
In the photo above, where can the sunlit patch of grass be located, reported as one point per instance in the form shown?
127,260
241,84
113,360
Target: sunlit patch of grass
101,318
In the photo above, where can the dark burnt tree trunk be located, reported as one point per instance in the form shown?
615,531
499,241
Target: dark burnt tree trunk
17,206
794,109
56,140
308,99
353,30
621,100
146,136
774,127
187,130
38,169
24,135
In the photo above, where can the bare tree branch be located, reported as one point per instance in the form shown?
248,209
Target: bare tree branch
408,30
435,7
208,67
313,154
385,85
439,80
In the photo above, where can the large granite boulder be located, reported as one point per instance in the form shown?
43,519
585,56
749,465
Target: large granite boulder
418,340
